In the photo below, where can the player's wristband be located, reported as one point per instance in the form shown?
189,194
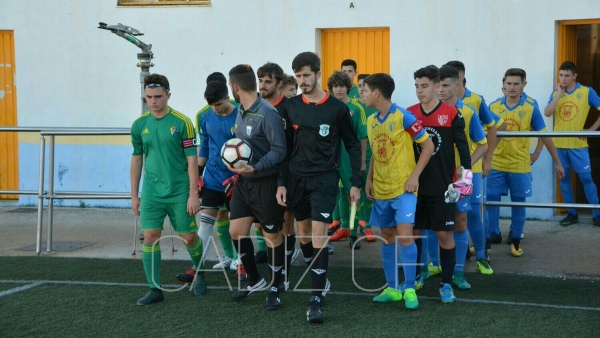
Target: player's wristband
200,170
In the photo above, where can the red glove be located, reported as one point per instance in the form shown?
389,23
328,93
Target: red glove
200,185
229,185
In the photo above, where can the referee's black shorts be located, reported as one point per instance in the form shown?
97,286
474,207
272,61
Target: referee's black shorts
256,198
313,197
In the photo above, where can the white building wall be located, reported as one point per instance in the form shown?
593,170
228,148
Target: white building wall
69,73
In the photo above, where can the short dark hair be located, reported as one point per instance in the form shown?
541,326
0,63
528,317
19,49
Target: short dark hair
216,76
243,76
306,59
157,80
362,76
339,79
290,80
516,72
349,62
383,82
448,72
464,81
431,72
271,69
458,65
215,91
568,65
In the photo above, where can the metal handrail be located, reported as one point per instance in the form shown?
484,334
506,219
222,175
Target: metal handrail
51,195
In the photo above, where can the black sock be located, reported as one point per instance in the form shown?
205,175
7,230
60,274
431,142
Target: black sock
307,252
447,263
291,245
318,272
246,254
419,245
276,257
516,243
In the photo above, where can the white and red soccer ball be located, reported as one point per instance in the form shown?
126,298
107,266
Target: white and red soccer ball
235,153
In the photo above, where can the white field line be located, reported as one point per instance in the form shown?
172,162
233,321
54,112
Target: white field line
33,283
20,288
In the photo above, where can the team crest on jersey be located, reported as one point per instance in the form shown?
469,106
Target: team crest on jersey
146,131
521,114
392,125
443,119
284,124
248,130
232,130
578,96
324,130
173,130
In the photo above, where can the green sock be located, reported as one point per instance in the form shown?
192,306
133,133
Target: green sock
225,238
260,240
195,252
151,260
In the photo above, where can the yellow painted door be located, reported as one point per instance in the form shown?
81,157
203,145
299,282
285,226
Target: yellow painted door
9,163
369,47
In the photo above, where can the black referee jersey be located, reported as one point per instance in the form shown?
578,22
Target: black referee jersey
314,132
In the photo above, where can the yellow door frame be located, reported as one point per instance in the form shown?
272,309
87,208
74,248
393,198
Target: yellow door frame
567,51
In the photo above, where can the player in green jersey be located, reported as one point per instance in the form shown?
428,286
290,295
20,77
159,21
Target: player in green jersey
164,144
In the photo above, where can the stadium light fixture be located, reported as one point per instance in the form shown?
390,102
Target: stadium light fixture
145,57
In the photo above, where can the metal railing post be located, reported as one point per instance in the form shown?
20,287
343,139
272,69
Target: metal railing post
38,243
51,192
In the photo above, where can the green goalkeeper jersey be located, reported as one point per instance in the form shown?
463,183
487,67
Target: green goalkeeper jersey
165,144
359,120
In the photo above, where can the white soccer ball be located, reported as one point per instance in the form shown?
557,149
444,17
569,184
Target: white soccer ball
235,153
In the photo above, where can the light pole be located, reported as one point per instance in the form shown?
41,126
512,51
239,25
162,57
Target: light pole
145,57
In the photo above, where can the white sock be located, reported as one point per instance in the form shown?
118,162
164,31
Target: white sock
205,231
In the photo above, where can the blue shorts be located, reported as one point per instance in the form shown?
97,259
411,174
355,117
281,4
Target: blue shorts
464,204
390,213
477,194
519,184
578,158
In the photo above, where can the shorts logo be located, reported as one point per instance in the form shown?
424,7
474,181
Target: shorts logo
527,191
450,224
325,214
193,224
478,196
586,167
173,130
324,130
248,130
442,119
270,227
408,215
295,126
319,271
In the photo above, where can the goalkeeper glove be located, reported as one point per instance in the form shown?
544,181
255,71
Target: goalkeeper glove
460,189
229,185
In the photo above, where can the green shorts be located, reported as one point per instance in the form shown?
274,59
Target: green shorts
153,213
